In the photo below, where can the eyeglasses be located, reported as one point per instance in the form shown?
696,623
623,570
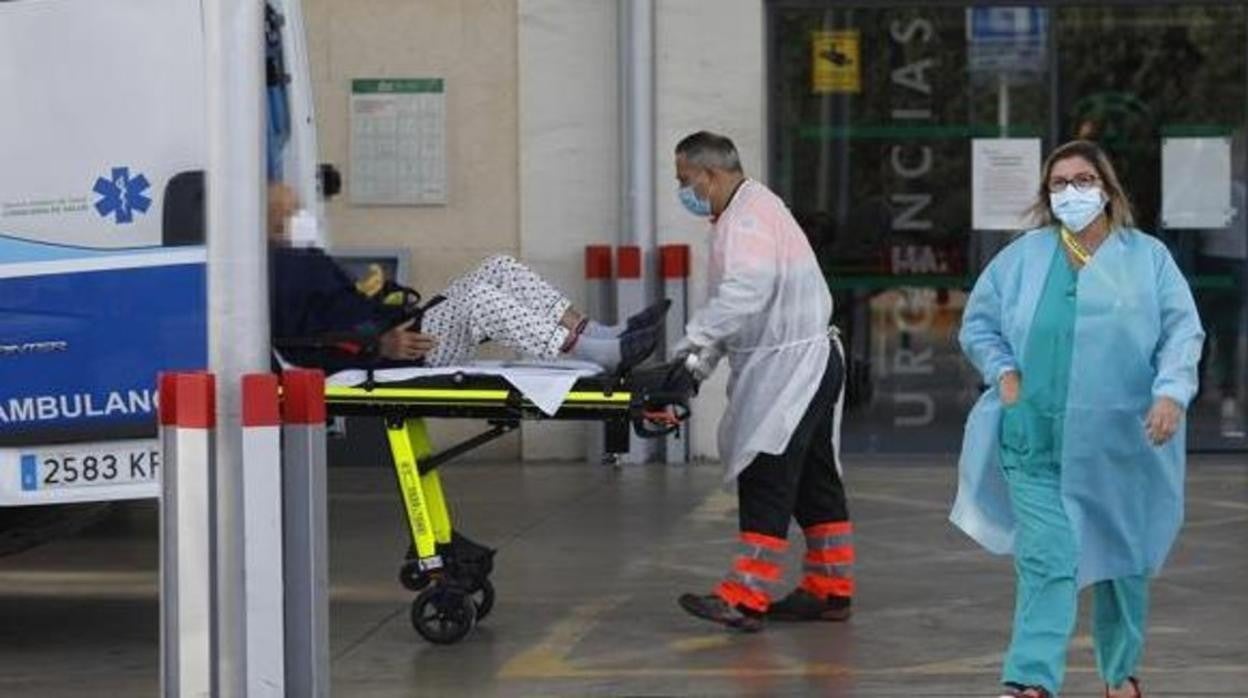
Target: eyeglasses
1083,182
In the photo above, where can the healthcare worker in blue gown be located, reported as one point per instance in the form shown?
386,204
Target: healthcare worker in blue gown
1073,460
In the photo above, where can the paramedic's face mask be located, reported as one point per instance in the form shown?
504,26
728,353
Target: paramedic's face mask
695,187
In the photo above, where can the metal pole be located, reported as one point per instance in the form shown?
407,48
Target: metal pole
238,328
187,424
637,107
170,648
600,304
675,272
637,83
306,530
630,297
262,460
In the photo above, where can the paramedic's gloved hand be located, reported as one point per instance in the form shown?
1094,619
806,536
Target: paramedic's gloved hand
683,348
700,361
400,343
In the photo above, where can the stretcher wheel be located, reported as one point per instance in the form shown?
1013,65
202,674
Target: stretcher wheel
412,577
483,598
443,615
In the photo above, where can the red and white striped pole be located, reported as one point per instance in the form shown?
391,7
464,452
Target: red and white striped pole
630,298
306,527
600,304
187,436
262,547
630,286
674,271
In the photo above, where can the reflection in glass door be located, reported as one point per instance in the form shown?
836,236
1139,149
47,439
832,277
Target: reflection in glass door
1135,79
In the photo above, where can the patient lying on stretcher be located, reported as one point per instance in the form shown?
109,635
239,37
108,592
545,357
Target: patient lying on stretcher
320,317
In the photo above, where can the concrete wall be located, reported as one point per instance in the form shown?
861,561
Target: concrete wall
472,44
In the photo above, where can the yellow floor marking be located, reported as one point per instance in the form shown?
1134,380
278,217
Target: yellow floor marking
548,658
701,643
718,506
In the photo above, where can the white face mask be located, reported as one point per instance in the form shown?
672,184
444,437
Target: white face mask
1077,209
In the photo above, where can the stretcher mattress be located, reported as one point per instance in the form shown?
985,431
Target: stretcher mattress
544,384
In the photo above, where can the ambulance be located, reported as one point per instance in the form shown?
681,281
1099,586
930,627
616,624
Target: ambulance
102,276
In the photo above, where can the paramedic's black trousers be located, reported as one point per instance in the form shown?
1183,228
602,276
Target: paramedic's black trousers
800,483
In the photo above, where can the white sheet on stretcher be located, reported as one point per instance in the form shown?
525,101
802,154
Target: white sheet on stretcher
545,384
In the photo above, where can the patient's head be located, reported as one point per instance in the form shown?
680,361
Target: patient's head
282,205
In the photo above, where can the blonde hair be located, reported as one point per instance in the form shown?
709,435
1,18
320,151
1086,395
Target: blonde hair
1119,209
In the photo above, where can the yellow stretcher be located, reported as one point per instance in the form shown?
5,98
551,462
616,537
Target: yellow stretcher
451,572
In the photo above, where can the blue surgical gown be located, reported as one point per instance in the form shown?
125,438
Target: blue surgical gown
1137,337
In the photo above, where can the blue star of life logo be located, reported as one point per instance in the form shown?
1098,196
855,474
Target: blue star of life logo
122,195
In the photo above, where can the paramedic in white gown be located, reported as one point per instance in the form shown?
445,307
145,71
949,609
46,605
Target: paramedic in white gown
769,313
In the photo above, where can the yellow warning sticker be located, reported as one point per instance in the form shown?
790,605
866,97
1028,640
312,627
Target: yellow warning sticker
834,62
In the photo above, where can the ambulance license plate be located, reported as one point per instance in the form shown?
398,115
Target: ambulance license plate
55,469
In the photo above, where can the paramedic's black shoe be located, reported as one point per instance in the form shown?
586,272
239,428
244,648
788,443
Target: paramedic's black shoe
711,607
801,605
636,346
651,316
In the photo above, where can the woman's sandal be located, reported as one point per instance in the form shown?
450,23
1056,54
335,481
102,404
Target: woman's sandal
1016,691
1135,686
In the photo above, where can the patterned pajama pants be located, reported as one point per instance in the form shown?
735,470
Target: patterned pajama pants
501,300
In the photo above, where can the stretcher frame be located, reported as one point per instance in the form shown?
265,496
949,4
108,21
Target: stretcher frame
404,408
453,587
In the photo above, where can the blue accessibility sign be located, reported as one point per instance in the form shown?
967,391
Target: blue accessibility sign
121,195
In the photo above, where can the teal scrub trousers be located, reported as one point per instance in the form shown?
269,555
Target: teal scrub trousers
1046,553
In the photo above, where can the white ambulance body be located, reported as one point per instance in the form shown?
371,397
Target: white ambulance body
102,279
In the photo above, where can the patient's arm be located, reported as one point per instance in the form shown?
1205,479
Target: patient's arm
400,343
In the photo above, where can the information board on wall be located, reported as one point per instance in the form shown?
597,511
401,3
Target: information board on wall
398,142
1005,176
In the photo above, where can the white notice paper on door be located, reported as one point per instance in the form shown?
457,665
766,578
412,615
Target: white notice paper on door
1196,183
1005,178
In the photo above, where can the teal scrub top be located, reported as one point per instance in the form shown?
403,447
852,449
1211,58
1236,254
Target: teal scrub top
1136,337
1031,429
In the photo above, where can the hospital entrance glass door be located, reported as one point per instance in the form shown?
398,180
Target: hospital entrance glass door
872,113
